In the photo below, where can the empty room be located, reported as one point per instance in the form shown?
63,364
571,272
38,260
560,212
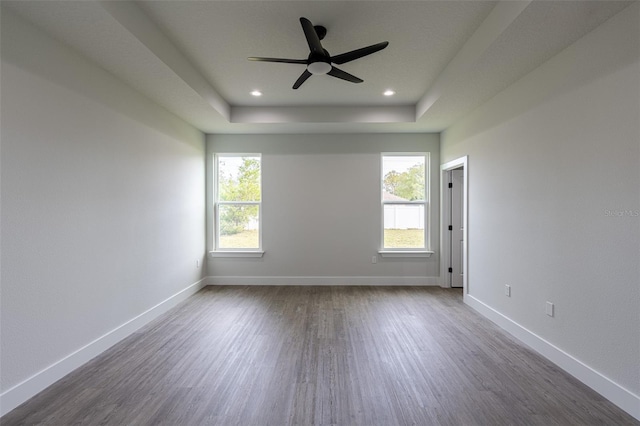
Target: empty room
320,212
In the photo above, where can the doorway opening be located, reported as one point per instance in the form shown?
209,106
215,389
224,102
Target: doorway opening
454,225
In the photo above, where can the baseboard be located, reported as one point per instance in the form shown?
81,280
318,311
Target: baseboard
623,398
21,392
336,281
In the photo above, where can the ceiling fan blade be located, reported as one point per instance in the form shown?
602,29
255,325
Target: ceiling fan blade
358,53
312,37
305,75
338,73
286,61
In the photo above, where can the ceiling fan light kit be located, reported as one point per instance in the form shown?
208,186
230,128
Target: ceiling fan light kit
319,68
319,61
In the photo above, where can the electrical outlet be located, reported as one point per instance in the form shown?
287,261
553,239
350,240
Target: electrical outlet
549,309
197,263
507,290
374,259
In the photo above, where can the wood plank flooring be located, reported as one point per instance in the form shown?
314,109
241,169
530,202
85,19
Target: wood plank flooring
319,356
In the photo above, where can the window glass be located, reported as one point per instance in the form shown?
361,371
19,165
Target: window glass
404,226
404,201
404,177
238,201
239,226
239,178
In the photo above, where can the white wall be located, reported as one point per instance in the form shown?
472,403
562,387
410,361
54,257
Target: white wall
102,210
553,160
322,210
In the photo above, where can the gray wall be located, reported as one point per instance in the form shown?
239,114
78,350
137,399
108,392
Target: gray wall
102,208
322,212
554,201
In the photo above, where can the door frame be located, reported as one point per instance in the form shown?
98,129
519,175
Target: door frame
445,213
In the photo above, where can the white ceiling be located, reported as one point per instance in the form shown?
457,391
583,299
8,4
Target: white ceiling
444,57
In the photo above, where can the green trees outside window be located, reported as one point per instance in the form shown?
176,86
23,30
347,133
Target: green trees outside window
408,184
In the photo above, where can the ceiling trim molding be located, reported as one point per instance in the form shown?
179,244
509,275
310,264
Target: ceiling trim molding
462,65
324,114
134,20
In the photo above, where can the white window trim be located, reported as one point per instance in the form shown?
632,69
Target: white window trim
408,252
236,253
405,253
233,252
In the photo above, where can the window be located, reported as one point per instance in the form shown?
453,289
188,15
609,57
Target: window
238,196
405,202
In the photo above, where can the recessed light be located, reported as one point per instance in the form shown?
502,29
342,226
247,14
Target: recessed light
256,93
389,92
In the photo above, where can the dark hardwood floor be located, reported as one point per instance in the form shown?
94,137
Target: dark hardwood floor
319,356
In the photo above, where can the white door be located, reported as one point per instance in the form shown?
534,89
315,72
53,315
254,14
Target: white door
456,230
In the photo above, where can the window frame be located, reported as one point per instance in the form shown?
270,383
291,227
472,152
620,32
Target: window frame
231,251
426,203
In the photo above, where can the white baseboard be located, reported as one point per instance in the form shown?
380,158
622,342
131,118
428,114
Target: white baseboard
23,391
623,398
337,281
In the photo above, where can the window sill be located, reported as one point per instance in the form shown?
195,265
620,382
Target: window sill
405,253
238,253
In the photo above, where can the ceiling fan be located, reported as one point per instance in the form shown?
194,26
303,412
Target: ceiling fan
319,60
